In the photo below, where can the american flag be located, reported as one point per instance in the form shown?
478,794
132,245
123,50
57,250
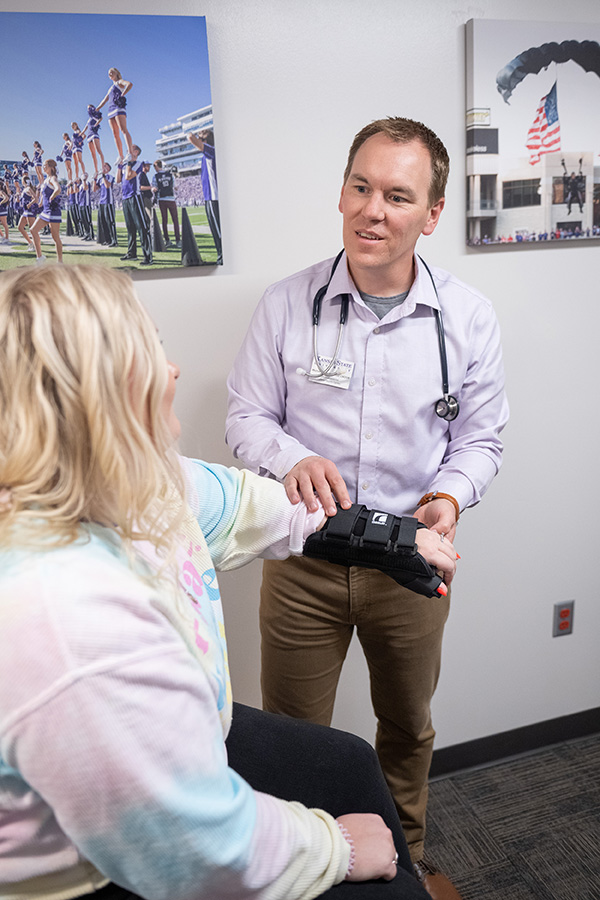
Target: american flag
544,134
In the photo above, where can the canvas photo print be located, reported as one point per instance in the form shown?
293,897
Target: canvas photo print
112,159
533,140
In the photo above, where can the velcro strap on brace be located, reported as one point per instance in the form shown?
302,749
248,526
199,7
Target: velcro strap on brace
375,540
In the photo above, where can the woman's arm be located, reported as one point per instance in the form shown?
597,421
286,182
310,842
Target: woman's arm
243,516
195,140
57,188
100,105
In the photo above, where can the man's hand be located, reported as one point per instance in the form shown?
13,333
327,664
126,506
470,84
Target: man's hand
438,515
317,474
373,847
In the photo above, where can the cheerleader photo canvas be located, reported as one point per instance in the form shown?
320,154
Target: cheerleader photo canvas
114,162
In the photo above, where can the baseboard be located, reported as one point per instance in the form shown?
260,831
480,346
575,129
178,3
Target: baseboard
496,747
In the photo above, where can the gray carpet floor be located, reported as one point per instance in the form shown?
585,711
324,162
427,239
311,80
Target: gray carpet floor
527,828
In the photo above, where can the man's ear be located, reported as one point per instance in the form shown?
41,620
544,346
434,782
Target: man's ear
434,216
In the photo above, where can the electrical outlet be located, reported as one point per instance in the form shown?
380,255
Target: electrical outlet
563,618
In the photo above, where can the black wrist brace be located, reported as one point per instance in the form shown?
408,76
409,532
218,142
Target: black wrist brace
376,540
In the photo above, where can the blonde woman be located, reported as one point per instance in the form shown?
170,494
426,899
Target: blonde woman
117,113
51,212
114,692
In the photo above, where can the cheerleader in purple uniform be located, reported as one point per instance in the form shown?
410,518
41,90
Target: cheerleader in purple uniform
30,208
66,155
50,214
117,115
37,160
25,164
4,201
93,138
77,143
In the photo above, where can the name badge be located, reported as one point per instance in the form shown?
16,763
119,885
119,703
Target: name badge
338,376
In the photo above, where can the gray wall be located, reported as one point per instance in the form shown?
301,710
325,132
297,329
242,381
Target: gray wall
293,80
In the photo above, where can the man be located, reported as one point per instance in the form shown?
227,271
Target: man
573,187
205,142
146,191
363,423
107,226
73,208
163,184
134,214
84,202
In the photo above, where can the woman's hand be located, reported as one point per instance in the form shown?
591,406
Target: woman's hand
374,852
437,550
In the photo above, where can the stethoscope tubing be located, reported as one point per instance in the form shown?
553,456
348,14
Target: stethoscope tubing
441,334
446,408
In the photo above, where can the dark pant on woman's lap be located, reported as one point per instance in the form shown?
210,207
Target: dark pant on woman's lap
321,767
325,768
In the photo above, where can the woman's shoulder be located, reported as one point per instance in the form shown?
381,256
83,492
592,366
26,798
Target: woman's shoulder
82,585
66,570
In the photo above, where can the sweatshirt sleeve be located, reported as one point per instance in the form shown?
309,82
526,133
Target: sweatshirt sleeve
243,516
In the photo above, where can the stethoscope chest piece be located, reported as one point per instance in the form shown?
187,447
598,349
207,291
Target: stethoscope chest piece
447,408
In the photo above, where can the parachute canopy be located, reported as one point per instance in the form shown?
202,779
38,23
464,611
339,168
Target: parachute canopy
530,62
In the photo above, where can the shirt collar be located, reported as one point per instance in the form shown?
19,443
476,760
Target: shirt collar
422,290
423,287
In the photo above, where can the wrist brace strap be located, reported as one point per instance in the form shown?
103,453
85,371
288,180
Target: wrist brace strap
376,540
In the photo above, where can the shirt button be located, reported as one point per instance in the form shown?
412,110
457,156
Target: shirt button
365,485
372,382
376,330
368,436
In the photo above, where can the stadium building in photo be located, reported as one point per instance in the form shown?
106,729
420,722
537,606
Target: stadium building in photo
173,147
513,200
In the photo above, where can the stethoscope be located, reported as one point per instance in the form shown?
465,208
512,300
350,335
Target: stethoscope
447,407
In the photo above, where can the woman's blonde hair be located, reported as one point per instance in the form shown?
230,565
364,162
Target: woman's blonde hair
83,436
116,72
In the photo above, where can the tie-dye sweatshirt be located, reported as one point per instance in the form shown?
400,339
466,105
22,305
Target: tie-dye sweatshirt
114,704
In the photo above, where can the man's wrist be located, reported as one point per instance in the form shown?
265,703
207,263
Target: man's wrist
440,495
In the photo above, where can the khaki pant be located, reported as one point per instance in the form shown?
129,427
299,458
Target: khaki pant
308,613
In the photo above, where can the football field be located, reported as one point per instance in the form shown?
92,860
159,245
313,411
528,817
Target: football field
76,250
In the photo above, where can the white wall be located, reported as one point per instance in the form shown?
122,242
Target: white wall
293,80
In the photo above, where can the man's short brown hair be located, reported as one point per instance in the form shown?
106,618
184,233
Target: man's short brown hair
402,131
